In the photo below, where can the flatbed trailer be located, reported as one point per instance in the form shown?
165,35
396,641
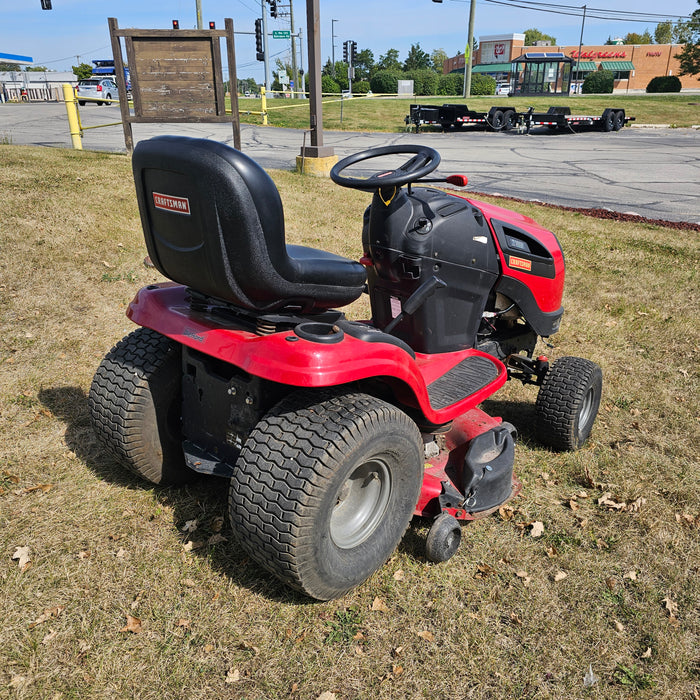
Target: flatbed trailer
506,118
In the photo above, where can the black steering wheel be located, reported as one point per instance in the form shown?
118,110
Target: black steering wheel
423,162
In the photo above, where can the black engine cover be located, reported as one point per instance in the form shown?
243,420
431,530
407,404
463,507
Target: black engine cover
419,236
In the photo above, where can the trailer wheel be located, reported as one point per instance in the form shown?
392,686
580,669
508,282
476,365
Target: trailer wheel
510,120
608,120
324,489
567,403
134,404
81,103
497,120
618,121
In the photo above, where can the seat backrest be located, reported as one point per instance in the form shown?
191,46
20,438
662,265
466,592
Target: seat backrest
212,219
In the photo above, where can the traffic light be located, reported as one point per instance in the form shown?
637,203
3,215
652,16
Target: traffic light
212,25
273,8
345,51
353,51
260,52
176,24
46,5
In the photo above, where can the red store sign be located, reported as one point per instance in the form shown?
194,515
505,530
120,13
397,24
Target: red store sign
598,54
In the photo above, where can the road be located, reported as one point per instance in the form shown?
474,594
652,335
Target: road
651,172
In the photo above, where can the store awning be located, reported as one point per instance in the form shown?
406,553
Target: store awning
491,68
617,65
584,66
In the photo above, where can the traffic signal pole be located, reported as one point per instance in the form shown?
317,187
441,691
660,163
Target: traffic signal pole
266,51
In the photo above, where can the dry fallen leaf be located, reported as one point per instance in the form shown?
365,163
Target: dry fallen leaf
133,624
560,576
23,558
190,525
183,623
233,675
647,653
399,575
484,570
191,545
619,626
49,637
524,577
537,529
506,512
47,615
671,608
631,575
327,695
217,523
378,605
427,636
216,538
551,552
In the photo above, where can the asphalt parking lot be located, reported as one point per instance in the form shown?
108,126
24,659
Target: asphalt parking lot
654,173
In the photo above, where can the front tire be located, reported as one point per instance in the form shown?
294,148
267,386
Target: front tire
135,402
567,403
325,488
498,120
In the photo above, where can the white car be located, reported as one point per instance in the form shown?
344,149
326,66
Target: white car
96,89
502,88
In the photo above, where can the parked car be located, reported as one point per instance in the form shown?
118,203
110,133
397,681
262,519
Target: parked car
98,89
502,88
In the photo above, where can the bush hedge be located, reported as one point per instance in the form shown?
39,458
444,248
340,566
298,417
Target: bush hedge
664,83
598,82
483,85
385,81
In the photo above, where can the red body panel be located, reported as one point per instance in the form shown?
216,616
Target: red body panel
547,292
303,363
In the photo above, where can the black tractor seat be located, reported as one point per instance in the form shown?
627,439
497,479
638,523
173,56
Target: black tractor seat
213,221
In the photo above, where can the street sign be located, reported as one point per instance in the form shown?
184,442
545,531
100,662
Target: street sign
281,34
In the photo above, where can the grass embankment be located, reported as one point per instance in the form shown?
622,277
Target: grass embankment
387,114
613,587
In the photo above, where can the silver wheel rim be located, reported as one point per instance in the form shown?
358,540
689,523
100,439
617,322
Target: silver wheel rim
360,504
586,409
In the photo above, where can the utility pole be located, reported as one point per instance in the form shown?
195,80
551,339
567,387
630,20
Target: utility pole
468,52
333,21
199,14
580,43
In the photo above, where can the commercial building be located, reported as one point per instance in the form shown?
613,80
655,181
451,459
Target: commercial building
632,65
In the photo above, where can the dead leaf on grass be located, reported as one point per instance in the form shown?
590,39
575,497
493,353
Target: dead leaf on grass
23,559
560,576
217,523
233,676
190,525
49,637
44,488
630,575
133,624
47,615
183,623
537,529
506,512
191,545
551,552
484,571
249,647
427,636
399,575
13,478
522,575
327,695
573,504
188,582
216,538
671,608
619,626
378,605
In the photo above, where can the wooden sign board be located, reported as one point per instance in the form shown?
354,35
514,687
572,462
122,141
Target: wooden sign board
176,76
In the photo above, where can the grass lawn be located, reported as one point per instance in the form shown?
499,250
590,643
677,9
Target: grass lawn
105,600
387,114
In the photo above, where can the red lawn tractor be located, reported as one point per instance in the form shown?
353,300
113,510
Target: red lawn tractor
334,433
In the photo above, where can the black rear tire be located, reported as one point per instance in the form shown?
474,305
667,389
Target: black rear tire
135,404
497,120
608,121
325,488
510,120
567,403
618,121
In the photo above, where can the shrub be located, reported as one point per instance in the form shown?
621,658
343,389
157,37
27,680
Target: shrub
425,82
451,84
664,83
360,87
385,81
329,85
482,85
601,81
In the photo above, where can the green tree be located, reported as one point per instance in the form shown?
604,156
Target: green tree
533,35
663,34
364,64
635,38
598,82
438,58
9,67
329,85
389,61
417,59
37,69
690,54
83,71
682,32
385,81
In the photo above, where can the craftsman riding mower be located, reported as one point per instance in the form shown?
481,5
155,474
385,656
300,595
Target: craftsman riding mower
333,432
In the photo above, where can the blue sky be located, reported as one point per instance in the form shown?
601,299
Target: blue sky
78,28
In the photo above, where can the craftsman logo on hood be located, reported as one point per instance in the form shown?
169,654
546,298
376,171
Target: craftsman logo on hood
166,202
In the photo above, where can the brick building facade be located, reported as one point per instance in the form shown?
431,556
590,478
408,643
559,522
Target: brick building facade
633,65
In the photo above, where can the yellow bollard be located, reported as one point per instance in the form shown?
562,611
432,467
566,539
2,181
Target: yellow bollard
263,105
72,111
